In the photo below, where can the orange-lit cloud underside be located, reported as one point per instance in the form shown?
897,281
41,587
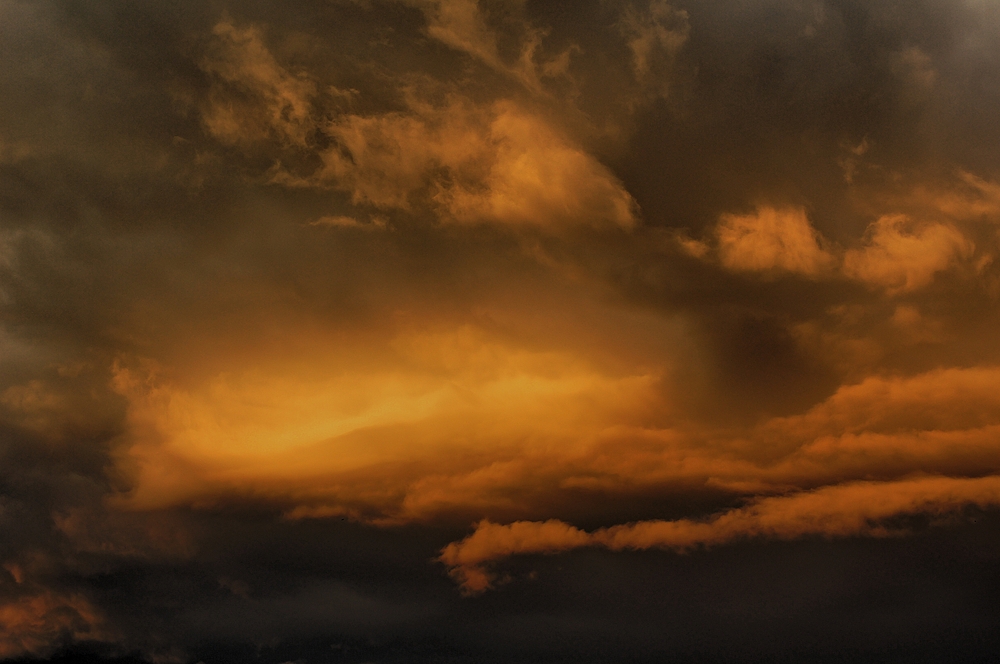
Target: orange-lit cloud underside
500,428
851,508
509,431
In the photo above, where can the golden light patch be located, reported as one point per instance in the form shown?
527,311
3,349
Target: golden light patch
453,400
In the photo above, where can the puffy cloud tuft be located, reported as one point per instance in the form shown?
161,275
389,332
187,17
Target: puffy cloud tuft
901,255
771,240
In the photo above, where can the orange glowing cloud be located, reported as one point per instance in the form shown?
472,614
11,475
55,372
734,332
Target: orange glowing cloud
503,166
439,418
946,421
37,625
897,253
464,421
902,255
470,162
771,240
859,508
374,439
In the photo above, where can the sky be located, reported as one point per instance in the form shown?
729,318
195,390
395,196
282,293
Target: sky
499,331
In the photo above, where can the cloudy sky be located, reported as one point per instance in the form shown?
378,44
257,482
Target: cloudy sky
499,330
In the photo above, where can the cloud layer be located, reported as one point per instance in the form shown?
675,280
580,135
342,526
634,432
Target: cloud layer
839,511
319,320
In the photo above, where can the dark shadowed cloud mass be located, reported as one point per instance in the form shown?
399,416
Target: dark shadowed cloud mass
499,331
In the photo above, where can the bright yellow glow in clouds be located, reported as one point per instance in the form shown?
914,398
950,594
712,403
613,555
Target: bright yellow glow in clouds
375,442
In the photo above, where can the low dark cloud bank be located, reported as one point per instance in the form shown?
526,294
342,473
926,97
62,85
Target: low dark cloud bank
458,331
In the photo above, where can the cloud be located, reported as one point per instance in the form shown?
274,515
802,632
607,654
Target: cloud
491,541
387,160
254,98
915,67
291,295
863,430
503,37
771,240
470,163
38,625
499,165
939,422
391,443
898,254
840,511
902,255
964,197
342,221
461,25
655,36
432,432
537,175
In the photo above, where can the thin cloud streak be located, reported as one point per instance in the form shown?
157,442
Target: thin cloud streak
845,510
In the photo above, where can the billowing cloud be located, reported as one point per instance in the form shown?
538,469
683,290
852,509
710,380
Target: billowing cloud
469,162
897,254
498,165
771,240
303,307
902,255
352,430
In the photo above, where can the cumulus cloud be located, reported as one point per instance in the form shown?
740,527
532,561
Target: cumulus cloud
902,255
898,254
771,240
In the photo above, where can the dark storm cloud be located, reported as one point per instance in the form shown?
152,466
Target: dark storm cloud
293,294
